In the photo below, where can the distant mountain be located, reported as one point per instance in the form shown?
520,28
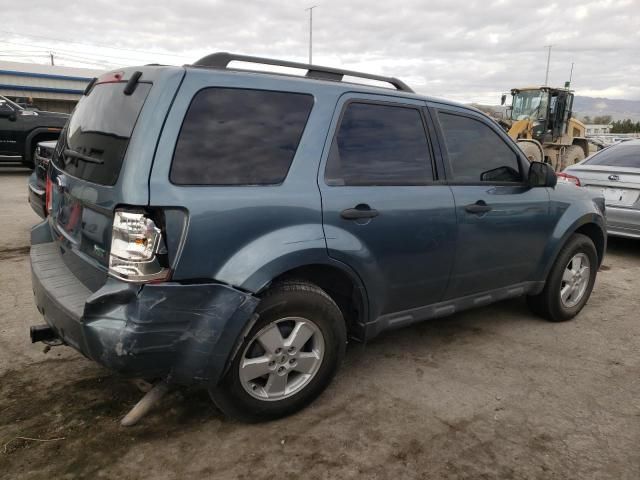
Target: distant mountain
618,109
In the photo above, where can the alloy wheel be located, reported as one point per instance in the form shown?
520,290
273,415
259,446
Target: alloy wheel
282,358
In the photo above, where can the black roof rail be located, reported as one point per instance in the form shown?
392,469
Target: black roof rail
222,60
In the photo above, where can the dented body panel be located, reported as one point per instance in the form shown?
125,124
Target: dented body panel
183,331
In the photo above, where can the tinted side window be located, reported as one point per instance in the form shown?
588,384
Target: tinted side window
239,137
379,145
476,152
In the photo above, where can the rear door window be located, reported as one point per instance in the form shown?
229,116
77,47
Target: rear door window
239,137
476,153
379,145
98,133
621,155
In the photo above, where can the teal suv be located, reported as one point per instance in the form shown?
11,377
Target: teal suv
232,228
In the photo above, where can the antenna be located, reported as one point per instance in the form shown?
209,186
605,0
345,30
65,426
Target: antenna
568,84
546,77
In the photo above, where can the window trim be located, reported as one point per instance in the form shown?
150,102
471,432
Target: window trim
478,118
237,185
387,103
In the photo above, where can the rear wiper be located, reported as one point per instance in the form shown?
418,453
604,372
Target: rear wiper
85,158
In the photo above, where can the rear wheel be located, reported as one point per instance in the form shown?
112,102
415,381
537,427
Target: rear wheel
288,358
570,281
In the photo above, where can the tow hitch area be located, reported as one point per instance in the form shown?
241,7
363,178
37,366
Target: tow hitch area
42,333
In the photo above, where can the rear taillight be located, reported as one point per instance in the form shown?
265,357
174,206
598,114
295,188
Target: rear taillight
136,248
568,178
48,190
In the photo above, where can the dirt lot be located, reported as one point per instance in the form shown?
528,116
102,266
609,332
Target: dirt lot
491,393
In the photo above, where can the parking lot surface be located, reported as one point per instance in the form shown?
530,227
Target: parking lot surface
490,393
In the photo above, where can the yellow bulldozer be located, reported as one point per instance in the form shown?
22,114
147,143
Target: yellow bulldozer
540,120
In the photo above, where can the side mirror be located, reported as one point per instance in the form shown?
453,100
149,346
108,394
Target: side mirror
542,175
503,99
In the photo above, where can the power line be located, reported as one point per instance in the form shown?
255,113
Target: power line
17,34
99,55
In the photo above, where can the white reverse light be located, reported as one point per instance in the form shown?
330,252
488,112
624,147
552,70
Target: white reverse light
135,244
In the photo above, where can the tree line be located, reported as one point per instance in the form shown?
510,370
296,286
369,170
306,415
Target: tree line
625,126
618,126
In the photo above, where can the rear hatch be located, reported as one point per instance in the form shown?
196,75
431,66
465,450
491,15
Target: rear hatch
102,160
614,173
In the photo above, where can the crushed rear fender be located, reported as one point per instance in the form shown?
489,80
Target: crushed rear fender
185,331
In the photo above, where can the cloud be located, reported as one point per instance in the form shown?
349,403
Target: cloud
459,49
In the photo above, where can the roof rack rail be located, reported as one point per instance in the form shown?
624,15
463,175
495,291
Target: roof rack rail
222,60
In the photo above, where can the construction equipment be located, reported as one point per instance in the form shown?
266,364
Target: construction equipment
540,120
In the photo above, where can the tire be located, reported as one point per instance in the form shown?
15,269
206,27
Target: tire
551,303
572,155
31,163
288,308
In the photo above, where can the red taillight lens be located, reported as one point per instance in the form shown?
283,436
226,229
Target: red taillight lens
111,77
48,191
565,177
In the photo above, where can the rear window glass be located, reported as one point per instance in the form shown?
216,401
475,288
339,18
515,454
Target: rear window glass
617,156
97,135
239,137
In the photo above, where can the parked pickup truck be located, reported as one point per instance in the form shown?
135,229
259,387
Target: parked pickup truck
21,130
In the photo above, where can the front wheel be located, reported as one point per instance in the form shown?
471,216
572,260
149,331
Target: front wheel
288,358
570,281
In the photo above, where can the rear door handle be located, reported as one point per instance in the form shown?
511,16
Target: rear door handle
478,208
360,211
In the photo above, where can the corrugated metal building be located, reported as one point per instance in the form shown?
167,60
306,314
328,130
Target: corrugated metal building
49,87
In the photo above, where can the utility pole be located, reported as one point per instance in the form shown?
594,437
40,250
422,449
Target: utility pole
546,77
310,31
51,55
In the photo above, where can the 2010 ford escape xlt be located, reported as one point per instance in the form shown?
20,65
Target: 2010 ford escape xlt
233,228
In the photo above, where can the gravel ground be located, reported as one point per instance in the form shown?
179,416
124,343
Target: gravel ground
489,393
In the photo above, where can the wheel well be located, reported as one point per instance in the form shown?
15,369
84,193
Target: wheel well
594,232
339,286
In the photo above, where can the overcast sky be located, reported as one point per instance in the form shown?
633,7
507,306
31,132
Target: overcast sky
458,49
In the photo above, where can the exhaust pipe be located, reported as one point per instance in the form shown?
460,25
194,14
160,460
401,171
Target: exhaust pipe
42,333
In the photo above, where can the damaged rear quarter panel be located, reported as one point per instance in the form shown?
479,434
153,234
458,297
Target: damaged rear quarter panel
186,331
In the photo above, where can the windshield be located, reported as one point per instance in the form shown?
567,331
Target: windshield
6,101
529,105
97,135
